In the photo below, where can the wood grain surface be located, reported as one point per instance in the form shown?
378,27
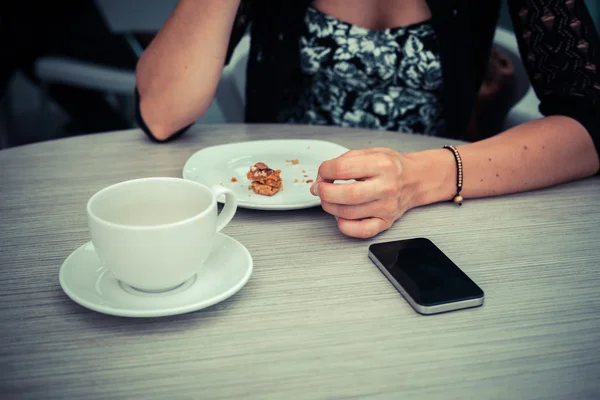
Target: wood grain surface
317,320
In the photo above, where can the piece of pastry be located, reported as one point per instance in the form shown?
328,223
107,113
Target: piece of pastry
265,181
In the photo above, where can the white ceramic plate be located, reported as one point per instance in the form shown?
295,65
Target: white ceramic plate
87,283
228,164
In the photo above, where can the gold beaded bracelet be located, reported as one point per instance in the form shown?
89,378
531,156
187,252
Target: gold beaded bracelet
458,199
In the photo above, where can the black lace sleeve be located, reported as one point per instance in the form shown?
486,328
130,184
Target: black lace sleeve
560,48
240,27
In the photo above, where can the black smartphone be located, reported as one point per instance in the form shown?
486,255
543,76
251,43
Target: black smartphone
425,276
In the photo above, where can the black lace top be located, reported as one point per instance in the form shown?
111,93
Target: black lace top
378,79
557,39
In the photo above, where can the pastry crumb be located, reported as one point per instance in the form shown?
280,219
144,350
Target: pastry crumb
293,162
295,180
233,179
310,181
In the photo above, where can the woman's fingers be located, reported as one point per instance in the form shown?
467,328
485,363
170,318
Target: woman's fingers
384,209
364,228
360,166
347,193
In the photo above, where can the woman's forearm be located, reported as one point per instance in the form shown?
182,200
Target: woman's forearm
178,73
534,155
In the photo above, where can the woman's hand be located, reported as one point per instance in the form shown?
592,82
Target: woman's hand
381,194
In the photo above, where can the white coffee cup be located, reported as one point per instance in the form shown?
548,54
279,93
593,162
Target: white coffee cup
156,233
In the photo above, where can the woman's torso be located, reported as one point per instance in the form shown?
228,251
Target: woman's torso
368,65
355,76
463,31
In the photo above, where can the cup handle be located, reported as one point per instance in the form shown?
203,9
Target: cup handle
229,208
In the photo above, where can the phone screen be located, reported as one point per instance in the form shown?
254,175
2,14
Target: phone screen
425,272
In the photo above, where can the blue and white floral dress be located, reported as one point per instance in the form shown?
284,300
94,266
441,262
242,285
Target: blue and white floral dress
378,79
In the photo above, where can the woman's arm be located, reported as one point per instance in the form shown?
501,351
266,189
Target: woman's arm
534,155
560,48
178,73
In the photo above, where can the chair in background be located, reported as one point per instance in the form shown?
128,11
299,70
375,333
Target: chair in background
117,83
524,100
231,92
124,18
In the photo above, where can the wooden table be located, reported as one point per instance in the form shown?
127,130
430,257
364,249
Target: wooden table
317,319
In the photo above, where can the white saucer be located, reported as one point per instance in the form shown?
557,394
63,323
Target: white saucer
220,165
87,283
